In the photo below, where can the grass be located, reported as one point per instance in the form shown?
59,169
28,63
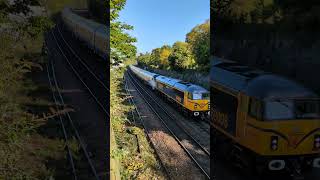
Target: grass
54,6
31,146
24,152
129,136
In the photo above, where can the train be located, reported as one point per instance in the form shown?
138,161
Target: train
265,122
94,35
193,100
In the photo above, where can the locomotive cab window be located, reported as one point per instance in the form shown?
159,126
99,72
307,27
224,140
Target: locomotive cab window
291,109
198,96
255,108
307,109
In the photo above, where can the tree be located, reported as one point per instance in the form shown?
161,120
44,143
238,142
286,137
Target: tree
155,57
16,7
121,43
181,57
159,57
199,43
144,59
164,55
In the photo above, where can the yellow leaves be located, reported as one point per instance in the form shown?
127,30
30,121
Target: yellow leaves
164,55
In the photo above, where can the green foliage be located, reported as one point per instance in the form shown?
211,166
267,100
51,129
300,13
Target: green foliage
181,57
165,52
115,7
158,58
144,59
38,24
135,165
55,6
16,125
23,152
288,15
121,43
199,42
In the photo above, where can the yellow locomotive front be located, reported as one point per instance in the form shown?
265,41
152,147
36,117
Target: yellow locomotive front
264,121
197,100
282,123
284,131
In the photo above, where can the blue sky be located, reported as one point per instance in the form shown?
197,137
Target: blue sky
159,22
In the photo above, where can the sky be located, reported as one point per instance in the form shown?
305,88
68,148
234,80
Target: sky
160,22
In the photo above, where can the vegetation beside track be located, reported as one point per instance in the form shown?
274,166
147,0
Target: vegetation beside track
189,75
55,6
31,145
137,159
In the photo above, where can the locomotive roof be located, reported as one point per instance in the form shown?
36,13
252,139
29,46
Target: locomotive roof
255,83
272,86
181,85
167,80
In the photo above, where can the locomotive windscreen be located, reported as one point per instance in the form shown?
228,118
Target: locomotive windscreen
291,109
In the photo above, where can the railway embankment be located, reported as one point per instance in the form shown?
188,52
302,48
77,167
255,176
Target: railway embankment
134,152
30,144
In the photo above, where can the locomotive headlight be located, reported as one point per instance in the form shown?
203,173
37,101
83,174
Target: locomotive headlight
274,143
195,106
316,141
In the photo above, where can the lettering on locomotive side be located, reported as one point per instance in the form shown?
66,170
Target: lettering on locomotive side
220,118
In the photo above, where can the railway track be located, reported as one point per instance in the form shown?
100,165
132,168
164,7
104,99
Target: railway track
83,72
68,128
202,159
85,58
97,90
137,119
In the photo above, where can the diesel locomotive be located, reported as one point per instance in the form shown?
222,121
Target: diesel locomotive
193,99
265,121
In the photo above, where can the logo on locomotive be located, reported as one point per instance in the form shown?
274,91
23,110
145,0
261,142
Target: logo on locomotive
220,119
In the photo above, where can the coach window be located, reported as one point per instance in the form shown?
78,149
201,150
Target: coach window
255,109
